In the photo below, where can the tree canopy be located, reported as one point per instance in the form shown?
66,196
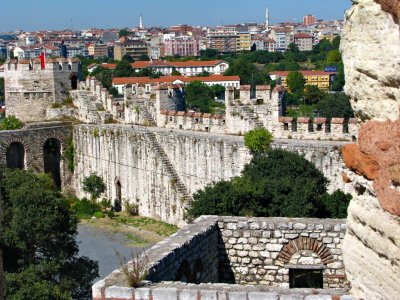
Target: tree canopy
38,240
336,105
258,140
199,97
277,184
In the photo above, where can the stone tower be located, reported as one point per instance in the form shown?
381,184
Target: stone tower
30,90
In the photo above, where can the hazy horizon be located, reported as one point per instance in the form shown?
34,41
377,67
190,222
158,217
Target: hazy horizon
50,14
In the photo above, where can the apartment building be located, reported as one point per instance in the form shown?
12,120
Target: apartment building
321,79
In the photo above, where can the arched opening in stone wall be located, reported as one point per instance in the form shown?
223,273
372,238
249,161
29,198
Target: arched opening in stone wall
52,159
184,273
198,271
15,156
118,196
74,82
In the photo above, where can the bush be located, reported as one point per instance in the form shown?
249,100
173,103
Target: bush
105,204
94,185
276,184
98,214
10,123
258,140
131,209
84,209
111,214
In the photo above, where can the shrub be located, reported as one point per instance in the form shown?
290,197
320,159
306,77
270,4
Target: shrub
94,185
10,123
69,155
98,215
136,270
131,209
258,140
84,209
105,204
111,214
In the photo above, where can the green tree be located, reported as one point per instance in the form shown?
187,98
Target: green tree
38,240
258,140
176,73
123,32
292,47
334,58
123,69
276,184
248,72
313,94
10,123
127,58
219,91
339,80
144,57
94,185
335,105
199,97
296,82
209,54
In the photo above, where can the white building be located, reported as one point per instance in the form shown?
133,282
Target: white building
148,83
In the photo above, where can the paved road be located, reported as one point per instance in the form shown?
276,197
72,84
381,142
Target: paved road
100,245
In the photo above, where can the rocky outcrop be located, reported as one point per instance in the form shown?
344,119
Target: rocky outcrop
371,51
371,55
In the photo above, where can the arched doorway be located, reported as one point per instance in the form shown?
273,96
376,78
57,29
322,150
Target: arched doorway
15,156
74,82
118,197
52,159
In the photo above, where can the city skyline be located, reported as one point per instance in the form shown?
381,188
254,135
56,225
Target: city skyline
32,16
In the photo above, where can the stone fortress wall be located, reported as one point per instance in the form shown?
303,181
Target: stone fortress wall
242,115
159,169
29,90
260,252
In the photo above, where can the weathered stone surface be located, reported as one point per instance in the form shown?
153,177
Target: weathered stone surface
371,50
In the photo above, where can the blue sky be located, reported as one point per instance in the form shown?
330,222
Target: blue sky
55,14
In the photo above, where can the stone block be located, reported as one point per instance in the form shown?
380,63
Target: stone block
262,296
237,295
119,292
165,294
273,247
299,226
291,297
142,294
208,295
318,297
188,294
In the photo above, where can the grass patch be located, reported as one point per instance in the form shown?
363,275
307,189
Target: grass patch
148,224
84,208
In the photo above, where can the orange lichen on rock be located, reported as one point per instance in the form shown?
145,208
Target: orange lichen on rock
390,6
377,157
359,162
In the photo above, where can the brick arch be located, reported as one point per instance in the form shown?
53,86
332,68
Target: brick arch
6,143
62,141
304,243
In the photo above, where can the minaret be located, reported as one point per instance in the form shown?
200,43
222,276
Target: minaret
266,18
141,22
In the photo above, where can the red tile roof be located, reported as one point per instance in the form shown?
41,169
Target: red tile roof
171,79
303,36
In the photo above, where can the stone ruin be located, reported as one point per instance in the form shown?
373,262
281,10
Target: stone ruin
241,258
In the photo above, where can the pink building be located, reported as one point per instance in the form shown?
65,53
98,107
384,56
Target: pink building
181,45
309,20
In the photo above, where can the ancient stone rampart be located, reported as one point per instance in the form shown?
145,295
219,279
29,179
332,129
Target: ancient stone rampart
158,168
248,251
32,138
29,90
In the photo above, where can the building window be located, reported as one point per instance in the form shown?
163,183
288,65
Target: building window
306,278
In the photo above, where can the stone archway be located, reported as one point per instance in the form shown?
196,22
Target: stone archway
304,243
52,159
184,273
15,156
118,196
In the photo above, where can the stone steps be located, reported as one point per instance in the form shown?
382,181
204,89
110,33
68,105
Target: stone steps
169,168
